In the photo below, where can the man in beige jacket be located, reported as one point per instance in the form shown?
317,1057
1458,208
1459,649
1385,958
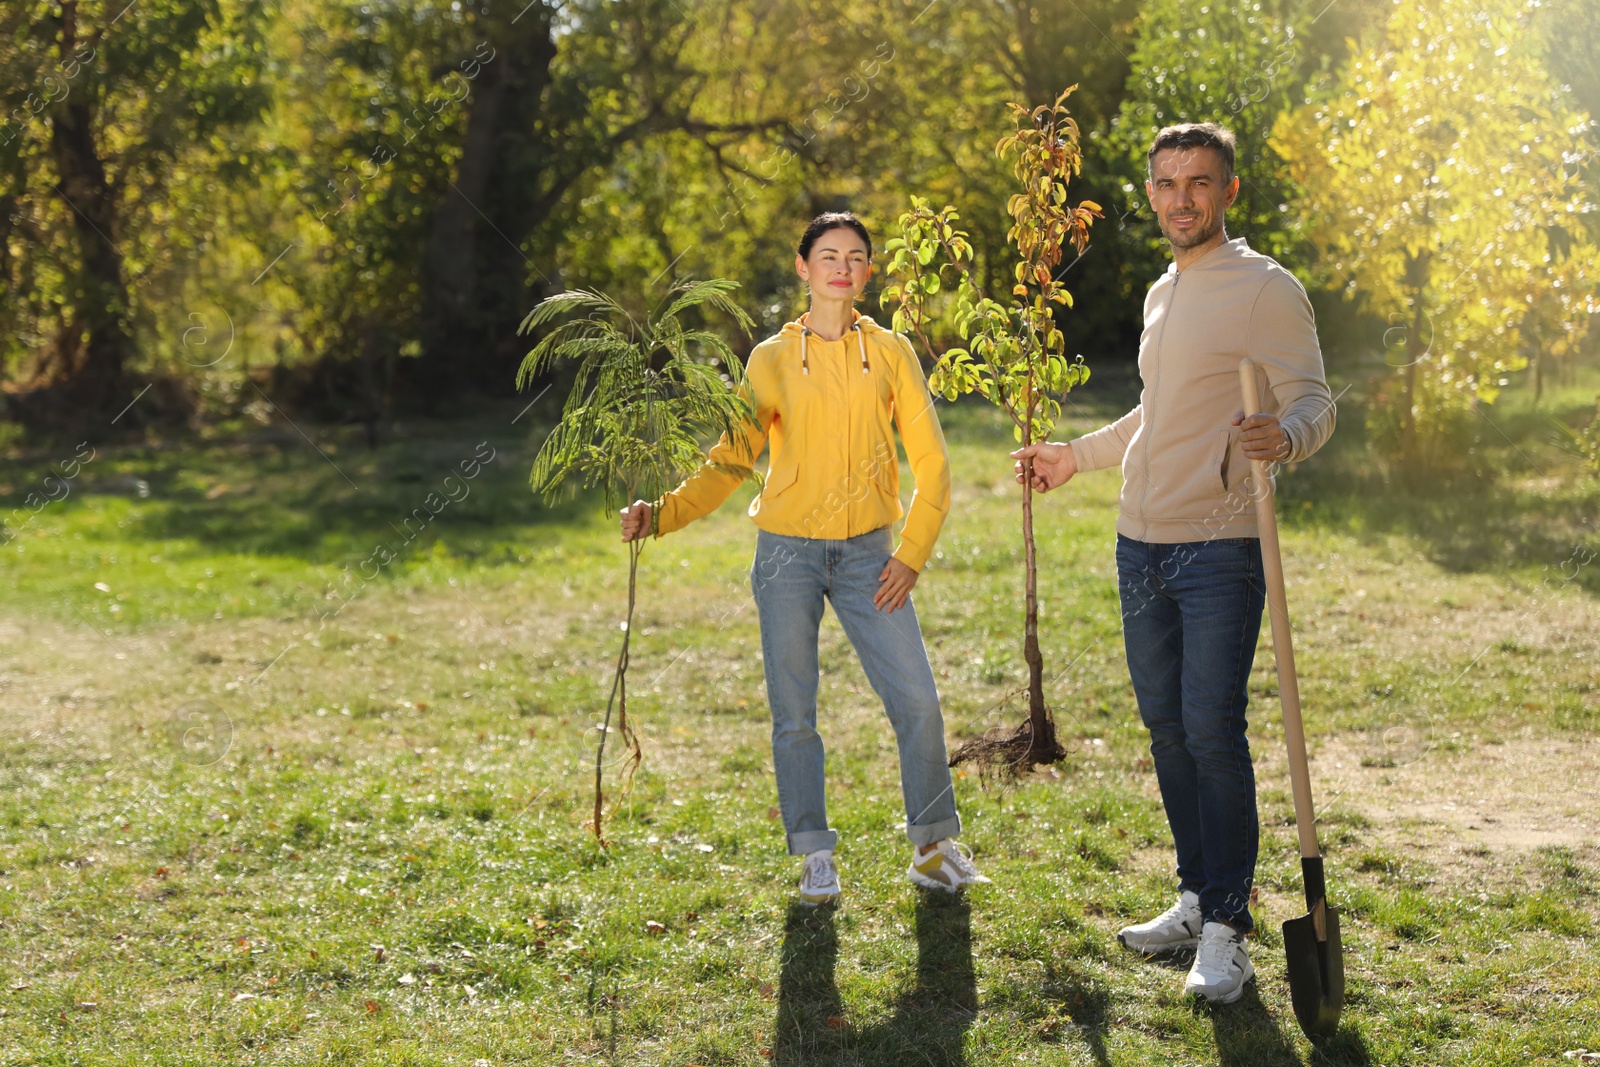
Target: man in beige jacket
1188,552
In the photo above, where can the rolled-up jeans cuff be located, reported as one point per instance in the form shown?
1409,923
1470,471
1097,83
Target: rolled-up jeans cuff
812,841
928,833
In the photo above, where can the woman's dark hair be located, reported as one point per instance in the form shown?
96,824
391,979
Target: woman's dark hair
832,220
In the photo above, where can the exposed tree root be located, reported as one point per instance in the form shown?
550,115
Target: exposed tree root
1014,751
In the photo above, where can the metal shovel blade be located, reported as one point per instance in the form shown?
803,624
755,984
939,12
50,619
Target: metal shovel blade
1316,970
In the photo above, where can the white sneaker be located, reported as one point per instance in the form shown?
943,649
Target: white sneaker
1221,965
948,867
1176,928
819,879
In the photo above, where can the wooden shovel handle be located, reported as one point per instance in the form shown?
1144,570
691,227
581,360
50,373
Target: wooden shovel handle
1282,641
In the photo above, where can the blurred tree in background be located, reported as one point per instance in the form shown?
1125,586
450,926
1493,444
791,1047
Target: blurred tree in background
1461,229
109,110
344,209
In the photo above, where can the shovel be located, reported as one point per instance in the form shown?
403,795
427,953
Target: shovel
1316,959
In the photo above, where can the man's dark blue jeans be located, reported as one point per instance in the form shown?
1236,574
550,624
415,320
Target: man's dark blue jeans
1191,613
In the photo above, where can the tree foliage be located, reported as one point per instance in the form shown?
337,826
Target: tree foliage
1216,63
1016,355
1456,227
648,390
349,206
108,106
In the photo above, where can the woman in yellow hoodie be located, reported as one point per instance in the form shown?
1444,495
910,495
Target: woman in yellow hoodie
828,392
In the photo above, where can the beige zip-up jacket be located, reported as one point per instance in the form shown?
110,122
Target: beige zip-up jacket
1183,469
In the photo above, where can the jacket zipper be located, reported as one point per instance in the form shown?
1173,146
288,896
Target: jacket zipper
1144,523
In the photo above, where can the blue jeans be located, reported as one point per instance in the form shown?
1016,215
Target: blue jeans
1191,613
790,577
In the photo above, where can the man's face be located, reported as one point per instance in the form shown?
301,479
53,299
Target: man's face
1188,194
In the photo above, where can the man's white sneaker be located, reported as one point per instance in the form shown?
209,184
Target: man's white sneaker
819,879
1221,965
1176,928
948,867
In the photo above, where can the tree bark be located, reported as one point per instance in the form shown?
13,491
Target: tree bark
97,381
1042,746
462,319
1415,351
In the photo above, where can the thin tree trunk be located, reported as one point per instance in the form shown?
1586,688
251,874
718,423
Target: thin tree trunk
1536,356
1415,350
618,699
1042,746
1030,643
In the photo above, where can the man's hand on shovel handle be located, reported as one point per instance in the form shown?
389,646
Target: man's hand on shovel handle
1262,437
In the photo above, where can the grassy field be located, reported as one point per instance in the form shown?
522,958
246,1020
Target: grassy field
288,779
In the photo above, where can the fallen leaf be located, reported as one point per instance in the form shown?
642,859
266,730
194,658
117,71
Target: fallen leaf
653,927
836,1022
773,813
373,1007
765,991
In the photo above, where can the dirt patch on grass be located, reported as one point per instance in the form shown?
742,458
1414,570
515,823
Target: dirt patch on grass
1522,793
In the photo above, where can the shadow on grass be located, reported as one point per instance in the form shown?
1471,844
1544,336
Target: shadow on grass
278,494
1085,1002
1248,1035
810,1011
1514,507
1347,1048
930,1019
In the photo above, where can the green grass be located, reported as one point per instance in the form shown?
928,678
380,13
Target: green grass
254,812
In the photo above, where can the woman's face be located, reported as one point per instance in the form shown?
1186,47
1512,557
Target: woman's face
838,267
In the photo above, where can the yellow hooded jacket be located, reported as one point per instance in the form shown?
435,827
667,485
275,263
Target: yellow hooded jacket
828,410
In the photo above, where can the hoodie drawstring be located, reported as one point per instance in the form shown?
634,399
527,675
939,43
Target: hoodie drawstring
861,343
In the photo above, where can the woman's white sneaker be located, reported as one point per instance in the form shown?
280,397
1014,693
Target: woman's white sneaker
1221,965
1176,928
948,866
819,879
